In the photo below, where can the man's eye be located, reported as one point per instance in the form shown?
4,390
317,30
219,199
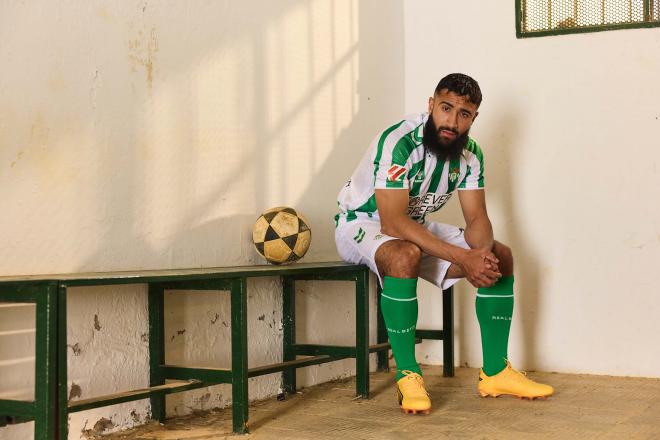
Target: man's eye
465,114
445,108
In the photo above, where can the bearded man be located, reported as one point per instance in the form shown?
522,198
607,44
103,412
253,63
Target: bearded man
411,169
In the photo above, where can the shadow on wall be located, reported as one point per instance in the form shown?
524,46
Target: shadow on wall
225,240
502,158
377,83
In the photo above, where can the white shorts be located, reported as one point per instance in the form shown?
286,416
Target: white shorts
358,240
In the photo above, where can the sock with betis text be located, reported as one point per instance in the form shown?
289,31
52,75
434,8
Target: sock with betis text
398,303
494,311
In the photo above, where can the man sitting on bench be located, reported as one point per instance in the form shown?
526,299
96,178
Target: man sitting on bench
412,168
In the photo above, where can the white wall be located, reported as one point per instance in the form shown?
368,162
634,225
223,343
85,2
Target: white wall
150,135
145,135
570,126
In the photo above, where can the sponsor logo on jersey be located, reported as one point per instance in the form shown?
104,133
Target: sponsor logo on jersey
378,236
419,206
396,173
454,173
419,177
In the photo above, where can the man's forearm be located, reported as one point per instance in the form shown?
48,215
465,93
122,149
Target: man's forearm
408,229
479,234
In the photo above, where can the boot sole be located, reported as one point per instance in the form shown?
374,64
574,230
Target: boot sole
542,397
416,411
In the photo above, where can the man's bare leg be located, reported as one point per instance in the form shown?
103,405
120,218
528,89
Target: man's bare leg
398,263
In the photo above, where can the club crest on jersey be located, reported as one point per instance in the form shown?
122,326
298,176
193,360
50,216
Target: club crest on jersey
396,173
453,174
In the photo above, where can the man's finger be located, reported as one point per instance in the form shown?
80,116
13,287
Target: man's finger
477,281
493,274
484,280
492,266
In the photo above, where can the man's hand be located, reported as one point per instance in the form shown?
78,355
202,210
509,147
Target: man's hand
480,267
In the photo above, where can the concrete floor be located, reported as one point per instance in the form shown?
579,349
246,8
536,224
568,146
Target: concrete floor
583,406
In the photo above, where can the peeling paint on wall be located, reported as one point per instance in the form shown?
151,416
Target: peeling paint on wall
75,348
75,391
101,426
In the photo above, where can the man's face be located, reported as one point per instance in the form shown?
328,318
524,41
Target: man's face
452,115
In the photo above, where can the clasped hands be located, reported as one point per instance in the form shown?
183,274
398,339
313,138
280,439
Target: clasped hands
480,267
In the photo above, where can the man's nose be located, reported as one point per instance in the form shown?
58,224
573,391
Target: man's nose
453,121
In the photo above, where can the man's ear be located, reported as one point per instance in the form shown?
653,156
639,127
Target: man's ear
431,104
475,116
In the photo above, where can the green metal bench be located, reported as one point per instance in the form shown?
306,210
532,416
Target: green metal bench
50,408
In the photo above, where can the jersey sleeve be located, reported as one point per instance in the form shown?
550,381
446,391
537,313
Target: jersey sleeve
393,163
474,177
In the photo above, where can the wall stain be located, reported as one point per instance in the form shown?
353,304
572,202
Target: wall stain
142,53
135,416
102,425
262,317
97,325
178,333
75,348
76,391
215,319
144,337
18,157
39,132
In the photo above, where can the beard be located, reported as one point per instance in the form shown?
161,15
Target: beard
441,149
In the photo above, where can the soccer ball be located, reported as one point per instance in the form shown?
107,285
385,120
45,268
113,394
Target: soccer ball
281,235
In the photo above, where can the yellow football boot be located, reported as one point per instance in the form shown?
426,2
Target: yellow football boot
514,383
413,398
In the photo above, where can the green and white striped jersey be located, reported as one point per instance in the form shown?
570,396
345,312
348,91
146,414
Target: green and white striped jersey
397,159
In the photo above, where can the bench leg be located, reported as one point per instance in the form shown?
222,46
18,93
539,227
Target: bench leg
45,393
62,366
381,334
157,348
239,361
448,332
289,333
362,334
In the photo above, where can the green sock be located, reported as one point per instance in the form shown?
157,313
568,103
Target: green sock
494,312
398,303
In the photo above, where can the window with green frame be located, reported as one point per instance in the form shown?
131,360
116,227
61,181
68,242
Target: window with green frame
537,18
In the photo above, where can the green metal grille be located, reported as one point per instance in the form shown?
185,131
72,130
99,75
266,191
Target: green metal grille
551,17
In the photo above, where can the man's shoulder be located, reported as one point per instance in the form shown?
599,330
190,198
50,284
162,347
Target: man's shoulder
473,147
411,126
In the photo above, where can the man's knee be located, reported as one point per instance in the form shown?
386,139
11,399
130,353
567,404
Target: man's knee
399,258
504,254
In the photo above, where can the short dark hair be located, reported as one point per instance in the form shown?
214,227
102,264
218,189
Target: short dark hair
462,85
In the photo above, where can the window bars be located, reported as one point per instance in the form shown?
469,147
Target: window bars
535,18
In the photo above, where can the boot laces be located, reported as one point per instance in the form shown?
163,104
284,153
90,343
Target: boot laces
520,376
413,384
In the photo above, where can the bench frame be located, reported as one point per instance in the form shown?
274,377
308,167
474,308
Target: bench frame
50,408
